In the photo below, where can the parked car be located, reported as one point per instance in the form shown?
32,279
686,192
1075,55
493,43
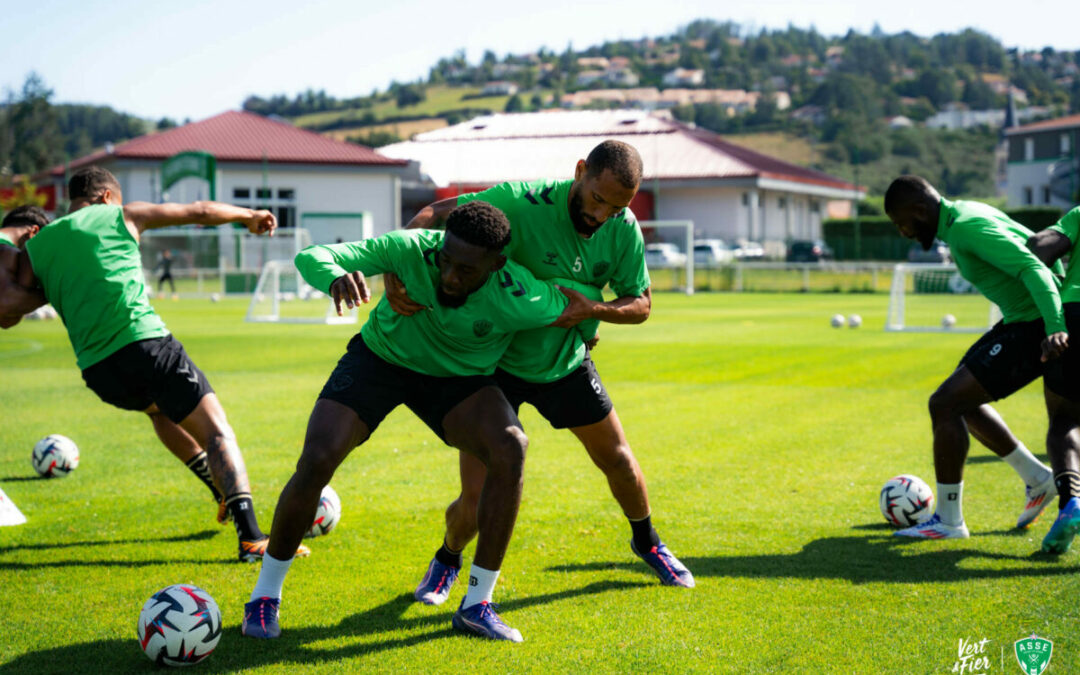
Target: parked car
806,250
748,250
712,252
938,253
664,255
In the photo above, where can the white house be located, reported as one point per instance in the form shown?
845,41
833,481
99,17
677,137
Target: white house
728,191
1042,163
260,163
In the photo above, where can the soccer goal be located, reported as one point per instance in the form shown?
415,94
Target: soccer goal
933,297
669,253
282,296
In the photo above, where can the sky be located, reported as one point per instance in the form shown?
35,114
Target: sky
197,58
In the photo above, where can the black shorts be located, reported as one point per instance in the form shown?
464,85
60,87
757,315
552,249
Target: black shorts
373,387
576,400
1062,375
146,372
1007,357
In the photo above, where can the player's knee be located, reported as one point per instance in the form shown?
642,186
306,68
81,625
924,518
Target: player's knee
616,461
506,452
315,467
942,402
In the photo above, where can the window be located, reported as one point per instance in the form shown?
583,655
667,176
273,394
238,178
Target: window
815,206
746,199
264,193
782,202
1029,149
1028,195
286,193
283,207
1046,194
1064,143
241,193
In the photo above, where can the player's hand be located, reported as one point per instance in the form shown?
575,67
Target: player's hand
398,297
261,222
577,310
591,344
1054,345
352,289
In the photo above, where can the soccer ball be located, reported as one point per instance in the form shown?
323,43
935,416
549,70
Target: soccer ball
215,297
854,321
837,320
948,321
55,456
327,515
906,500
179,625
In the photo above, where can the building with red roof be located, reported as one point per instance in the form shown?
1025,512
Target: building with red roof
728,191
261,163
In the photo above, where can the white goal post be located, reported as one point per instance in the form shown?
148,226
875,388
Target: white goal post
282,296
681,234
933,297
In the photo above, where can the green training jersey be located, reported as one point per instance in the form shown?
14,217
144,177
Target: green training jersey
544,241
6,240
990,250
1069,225
90,269
439,341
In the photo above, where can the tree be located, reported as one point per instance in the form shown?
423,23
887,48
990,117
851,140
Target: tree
410,94
30,137
514,104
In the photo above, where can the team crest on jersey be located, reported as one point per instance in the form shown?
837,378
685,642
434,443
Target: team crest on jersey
481,327
549,257
600,268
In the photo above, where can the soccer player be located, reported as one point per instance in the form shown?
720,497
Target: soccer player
1061,385
990,251
438,363
87,264
581,229
20,224
165,265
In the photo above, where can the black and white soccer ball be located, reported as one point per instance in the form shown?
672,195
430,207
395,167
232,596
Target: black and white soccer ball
179,625
327,515
55,456
906,500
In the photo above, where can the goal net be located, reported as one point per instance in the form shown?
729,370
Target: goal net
933,297
282,296
669,254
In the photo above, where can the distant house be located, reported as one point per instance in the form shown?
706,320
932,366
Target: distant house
261,163
728,191
499,88
684,77
899,122
1042,164
593,63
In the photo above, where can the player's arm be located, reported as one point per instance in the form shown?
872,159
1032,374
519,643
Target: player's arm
624,310
19,294
145,216
1049,245
630,281
338,269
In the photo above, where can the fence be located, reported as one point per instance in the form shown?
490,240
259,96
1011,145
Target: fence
776,277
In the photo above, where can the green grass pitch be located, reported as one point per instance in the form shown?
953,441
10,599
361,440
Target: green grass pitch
764,434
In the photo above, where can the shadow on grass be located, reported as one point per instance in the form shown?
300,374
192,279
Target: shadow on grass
990,459
20,479
202,535
295,644
861,560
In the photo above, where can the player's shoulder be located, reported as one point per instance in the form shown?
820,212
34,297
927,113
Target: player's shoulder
540,193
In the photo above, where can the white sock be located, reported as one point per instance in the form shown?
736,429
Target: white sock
949,496
481,584
1031,470
271,577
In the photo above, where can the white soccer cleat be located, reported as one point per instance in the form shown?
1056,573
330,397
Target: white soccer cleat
934,529
1035,500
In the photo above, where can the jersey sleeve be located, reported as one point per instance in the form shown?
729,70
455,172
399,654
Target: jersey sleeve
320,265
529,302
996,247
1069,225
631,277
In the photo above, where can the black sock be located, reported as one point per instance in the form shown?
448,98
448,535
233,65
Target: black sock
1068,486
201,468
448,557
645,536
242,510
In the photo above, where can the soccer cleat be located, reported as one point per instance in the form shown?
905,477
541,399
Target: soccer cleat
481,620
253,551
934,529
1060,536
1035,500
434,589
666,565
261,619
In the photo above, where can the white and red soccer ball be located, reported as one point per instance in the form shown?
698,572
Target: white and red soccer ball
55,456
179,625
906,500
327,515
